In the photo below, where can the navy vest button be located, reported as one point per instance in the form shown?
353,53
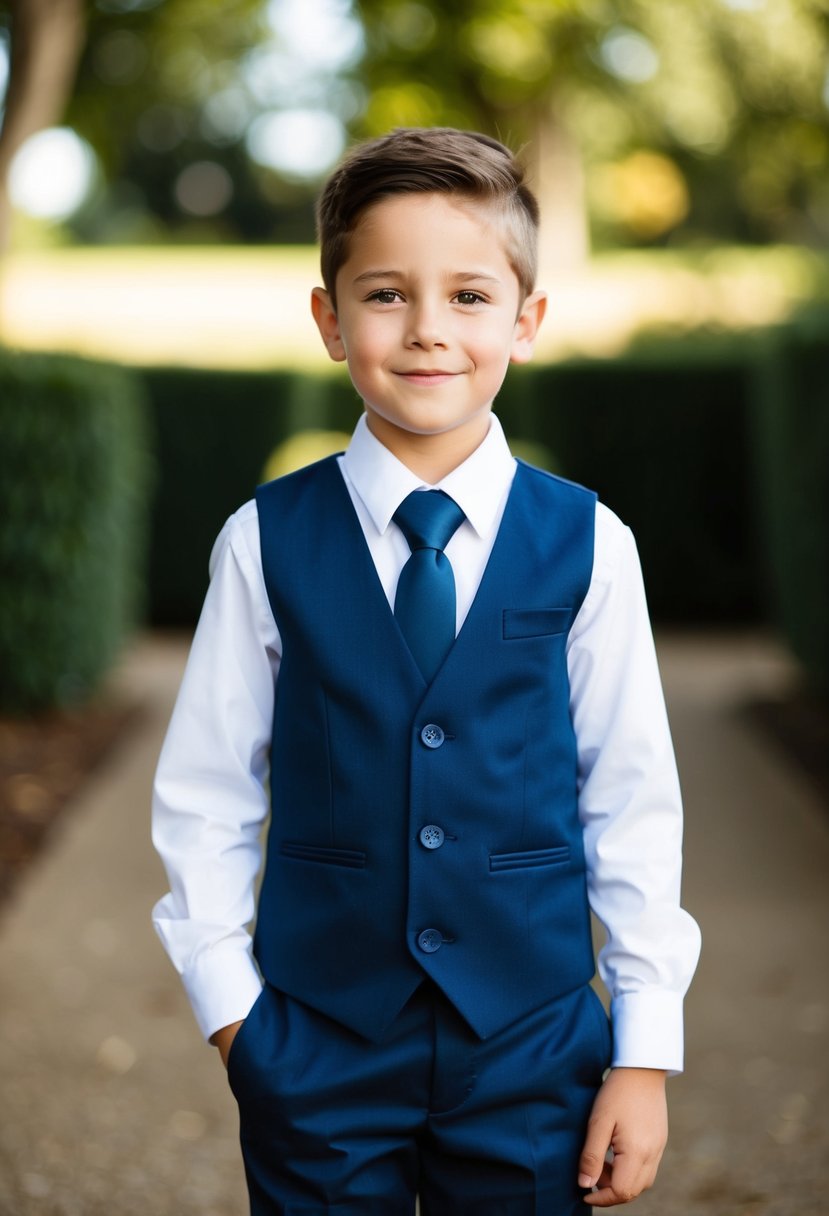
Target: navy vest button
432,837
430,941
432,735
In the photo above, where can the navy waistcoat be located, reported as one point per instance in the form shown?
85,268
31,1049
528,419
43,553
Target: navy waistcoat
423,830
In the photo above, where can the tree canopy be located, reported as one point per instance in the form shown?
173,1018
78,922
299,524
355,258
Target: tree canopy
668,122
704,114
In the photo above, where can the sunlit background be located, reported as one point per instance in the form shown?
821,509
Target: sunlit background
159,165
679,130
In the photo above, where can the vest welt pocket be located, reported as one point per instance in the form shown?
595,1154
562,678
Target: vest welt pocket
530,859
354,859
535,622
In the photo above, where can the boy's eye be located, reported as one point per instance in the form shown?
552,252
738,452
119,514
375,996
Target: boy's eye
469,297
385,295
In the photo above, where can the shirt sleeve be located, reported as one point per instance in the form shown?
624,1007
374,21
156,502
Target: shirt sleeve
210,797
630,808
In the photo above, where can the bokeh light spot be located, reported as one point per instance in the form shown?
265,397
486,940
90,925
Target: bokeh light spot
646,193
301,449
203,188
226,115
322,33
412,27
407,104
302,144
508,47
52,173
629,55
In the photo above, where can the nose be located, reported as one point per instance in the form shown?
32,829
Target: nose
427,329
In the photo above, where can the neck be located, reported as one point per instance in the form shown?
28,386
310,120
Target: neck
430,457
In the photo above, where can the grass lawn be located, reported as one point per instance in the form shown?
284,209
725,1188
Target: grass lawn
248,307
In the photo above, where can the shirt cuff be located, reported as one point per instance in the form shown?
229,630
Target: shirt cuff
222,986
647,1030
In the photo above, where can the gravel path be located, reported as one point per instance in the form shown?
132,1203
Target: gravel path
112,1105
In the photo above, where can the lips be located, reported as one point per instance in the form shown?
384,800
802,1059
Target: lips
429,376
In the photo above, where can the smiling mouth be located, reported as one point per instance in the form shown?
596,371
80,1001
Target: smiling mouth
433,376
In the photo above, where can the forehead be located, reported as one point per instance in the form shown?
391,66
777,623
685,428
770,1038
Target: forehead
402,227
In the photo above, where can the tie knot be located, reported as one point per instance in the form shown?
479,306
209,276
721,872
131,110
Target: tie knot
428,519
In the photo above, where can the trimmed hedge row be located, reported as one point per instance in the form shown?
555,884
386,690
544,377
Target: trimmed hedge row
75,475
792,439
661,437
214,433
716,453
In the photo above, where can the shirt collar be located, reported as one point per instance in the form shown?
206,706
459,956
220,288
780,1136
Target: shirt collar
478,485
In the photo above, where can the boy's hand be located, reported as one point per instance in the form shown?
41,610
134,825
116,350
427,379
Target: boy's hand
223,1039
629,1116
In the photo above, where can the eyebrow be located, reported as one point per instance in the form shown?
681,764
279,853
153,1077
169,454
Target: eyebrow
458,276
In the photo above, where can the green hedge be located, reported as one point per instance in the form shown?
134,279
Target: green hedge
214,433
661,434
74,481
792,390
715,452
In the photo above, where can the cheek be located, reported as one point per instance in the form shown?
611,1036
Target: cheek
368,344
491,352
491,341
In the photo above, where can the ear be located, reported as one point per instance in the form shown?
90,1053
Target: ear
326,318
526,327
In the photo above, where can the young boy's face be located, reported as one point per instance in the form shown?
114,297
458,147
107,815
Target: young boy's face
429,315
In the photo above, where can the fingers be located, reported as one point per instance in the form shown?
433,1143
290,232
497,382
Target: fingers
592,1160
630,1117
621,1181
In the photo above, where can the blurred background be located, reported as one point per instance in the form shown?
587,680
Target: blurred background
158,168
159,162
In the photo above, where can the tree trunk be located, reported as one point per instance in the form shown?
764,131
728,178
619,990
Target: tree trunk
557,176
47,37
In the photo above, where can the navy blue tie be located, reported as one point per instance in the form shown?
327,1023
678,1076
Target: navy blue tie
425,601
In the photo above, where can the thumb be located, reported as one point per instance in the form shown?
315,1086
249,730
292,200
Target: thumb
596,1144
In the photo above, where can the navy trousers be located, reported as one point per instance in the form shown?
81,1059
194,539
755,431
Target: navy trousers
333,1123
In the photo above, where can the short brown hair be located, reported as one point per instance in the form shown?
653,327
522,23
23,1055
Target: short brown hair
436,160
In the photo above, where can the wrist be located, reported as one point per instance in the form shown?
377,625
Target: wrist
223,1039
657,1077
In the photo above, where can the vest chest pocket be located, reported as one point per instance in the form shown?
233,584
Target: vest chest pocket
530,859
353,859
535,622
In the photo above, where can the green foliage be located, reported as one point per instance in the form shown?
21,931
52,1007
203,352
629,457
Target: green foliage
164,86
662,436
792,387
485,66
725,100
74,480
714,450
215,431
731,97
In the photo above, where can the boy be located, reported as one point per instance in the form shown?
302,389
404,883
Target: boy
441,661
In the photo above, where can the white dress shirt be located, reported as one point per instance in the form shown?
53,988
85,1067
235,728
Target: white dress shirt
210,797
